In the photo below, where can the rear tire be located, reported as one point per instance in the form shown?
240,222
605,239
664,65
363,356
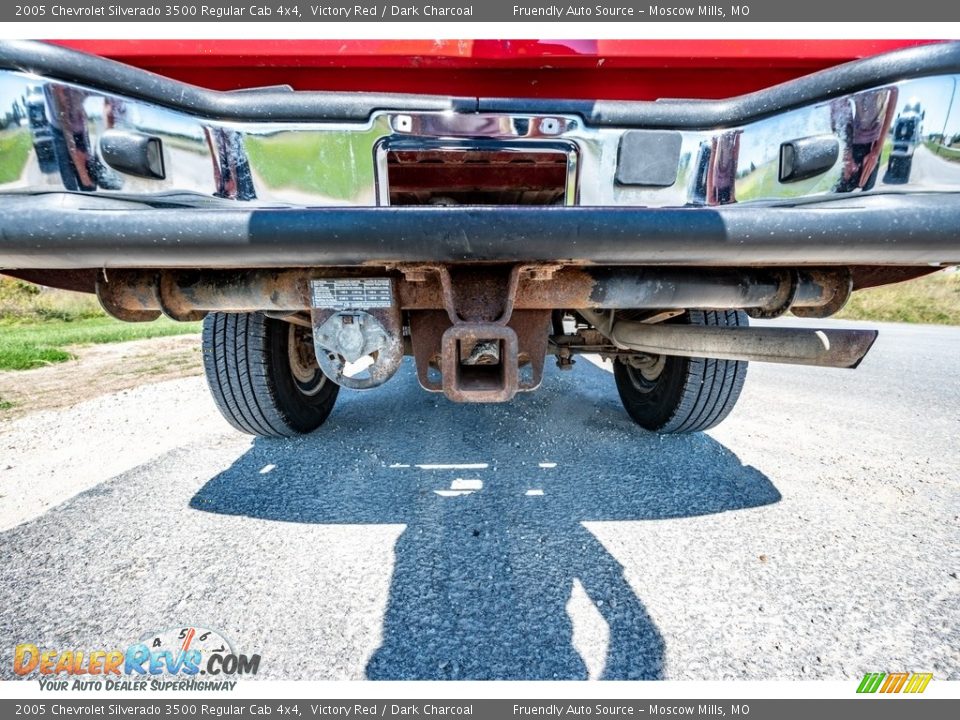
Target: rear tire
680,394
259,372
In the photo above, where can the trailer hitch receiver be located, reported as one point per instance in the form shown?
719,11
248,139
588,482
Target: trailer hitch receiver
480,362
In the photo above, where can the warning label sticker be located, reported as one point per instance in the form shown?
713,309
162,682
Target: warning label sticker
351,294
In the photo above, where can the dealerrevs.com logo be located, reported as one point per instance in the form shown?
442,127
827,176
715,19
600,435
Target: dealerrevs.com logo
184,658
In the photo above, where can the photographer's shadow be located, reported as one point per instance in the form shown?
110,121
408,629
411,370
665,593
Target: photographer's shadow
495,540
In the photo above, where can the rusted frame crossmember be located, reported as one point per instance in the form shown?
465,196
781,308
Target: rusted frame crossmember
142,295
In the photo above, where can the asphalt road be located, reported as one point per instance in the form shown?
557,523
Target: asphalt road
927,167
815,534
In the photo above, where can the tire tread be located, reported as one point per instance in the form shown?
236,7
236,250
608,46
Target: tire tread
710,387
242,375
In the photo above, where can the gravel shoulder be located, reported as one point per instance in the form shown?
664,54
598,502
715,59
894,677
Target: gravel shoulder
812,535
98,370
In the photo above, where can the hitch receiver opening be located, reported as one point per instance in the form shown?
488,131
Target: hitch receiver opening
479,382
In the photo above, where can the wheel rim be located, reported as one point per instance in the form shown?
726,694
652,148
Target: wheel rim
644,371
306,373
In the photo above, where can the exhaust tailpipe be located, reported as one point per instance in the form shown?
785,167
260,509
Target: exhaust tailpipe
792,346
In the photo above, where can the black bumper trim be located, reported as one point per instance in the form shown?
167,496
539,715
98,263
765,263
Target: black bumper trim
45,232
106,75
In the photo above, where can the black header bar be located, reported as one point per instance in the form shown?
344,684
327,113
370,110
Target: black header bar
618,11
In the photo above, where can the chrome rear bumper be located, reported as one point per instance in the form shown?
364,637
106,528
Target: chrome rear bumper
146,171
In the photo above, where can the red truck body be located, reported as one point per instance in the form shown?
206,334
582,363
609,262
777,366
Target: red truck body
580,69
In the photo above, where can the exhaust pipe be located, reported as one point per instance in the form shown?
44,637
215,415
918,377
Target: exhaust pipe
791,346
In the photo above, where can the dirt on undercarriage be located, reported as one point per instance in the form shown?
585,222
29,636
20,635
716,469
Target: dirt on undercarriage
98,370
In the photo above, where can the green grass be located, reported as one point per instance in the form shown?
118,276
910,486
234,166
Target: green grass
950,153
25,302
764,183
934,300
14,151
37,325
333,166
29,345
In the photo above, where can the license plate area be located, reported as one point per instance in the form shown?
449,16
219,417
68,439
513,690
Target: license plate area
478,173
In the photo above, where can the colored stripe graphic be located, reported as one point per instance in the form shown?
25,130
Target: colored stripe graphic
870,682
894,682
918,682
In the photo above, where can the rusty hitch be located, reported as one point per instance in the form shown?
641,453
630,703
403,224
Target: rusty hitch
484,342
466,376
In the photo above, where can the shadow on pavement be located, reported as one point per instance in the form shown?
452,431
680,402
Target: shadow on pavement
494,499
